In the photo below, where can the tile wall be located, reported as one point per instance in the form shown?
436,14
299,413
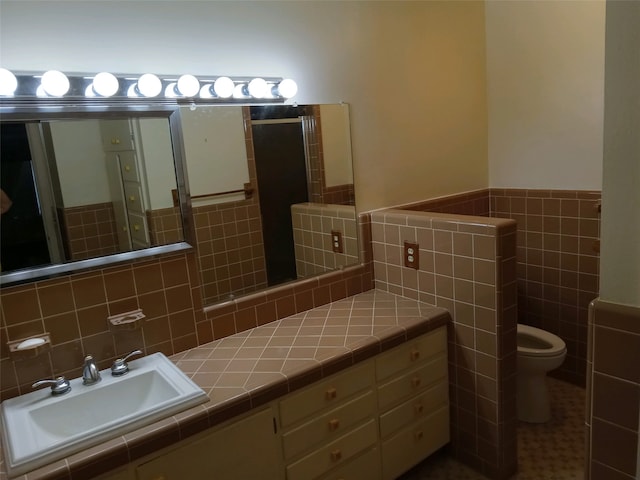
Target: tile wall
467,265
165,226
313,225
558,264
558,259
230,249
89,231
612,407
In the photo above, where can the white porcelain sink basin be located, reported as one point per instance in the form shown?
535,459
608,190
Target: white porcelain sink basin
38,428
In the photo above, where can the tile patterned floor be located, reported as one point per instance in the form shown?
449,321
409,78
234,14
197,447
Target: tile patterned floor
551,451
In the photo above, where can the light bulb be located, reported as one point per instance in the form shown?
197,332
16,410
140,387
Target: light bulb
55,83
223,87
172,90
206,91
239,91
149,85
8,82
258,88
188,85
287,88
105,84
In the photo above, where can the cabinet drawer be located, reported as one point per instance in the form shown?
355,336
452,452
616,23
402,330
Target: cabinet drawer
415,409
412,382
409,354
133,196
128,167
333,454
329,425
326,393
138,229
366,466
414,443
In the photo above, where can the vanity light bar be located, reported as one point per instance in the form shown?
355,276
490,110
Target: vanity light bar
54,84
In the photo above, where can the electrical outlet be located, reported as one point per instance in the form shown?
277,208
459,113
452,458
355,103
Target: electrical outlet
411,255
336,241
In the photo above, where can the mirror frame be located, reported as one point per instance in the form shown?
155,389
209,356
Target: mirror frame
53,109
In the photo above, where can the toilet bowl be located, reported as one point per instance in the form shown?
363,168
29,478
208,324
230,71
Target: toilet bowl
539,352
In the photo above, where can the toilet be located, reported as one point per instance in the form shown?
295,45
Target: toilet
539,352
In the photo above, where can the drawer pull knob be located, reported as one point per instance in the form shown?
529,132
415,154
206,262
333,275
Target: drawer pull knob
332,393
414,355
418,408
418,435
336,455
415,382
127,168
132,198
334,424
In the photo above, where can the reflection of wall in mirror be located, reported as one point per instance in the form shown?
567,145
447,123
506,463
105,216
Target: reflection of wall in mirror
215,151
220,158
87,203
329,155
313,225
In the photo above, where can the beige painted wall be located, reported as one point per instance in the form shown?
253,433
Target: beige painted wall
620,252
545,83
413,72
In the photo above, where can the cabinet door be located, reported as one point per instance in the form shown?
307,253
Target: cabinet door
116,135
244,450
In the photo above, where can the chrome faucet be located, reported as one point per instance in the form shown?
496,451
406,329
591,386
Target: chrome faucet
90,372
120,366
59,386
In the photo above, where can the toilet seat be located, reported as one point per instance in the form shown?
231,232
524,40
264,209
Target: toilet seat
549,345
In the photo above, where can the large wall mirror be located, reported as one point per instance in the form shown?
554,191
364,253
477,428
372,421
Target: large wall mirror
86,189
265,194
272,194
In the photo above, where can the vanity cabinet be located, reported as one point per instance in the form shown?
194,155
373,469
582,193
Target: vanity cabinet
246,449
413,402
329,423
374,420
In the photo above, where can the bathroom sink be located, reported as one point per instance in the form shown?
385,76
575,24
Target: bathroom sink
39,428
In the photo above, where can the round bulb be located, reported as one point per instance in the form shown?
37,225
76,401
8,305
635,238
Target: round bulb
223,87
188,85
171,90
258,88
55,83
8,82
149,85
105,84
239,91
287,88
206,91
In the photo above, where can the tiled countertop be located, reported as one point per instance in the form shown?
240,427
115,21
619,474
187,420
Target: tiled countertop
257,366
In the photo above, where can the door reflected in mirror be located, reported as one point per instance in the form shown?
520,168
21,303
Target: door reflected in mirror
271,187
86,188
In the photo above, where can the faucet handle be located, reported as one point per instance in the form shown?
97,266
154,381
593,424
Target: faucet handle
59,386
120,366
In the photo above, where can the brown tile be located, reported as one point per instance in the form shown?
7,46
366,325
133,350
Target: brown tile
153,304
484,247
63,328
119,285
148,278
21,306
156,330
616,353
182,323
603,472
614,446
88,291
616,401
56,299
178,298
